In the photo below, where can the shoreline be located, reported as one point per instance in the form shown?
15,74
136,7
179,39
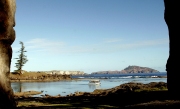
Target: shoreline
127,87
69,79
54,80
152,95
37,77
43,77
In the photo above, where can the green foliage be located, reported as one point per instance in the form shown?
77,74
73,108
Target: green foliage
22,58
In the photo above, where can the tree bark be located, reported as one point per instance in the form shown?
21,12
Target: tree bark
7,37
172,20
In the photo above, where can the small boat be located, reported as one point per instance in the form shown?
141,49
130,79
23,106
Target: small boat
96,82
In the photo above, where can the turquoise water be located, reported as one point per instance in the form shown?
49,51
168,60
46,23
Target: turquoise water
66,87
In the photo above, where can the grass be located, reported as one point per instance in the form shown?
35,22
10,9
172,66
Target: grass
36,104
31,74
66,105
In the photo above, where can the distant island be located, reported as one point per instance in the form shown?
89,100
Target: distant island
129,69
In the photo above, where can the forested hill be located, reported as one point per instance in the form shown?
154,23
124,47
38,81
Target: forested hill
129,69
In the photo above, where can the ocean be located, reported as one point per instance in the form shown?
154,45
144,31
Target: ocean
81,83
129,75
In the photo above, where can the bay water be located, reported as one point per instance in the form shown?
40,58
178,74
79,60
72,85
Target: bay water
70,86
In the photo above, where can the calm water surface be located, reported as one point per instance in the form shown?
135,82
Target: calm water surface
66,87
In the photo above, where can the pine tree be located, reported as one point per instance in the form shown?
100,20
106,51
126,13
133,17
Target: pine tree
22,59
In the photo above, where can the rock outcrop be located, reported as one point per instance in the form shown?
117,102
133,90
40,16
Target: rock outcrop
126,87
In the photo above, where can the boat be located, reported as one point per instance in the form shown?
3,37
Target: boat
95,82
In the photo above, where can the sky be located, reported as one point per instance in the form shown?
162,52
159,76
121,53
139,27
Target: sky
91,35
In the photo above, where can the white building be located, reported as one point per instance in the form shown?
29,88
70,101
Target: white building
64,72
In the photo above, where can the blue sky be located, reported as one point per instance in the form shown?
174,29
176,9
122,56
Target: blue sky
91,35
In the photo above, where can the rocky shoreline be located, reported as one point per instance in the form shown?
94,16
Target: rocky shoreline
125,96
126,87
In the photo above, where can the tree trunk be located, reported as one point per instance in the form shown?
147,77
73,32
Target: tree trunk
7,37
172,20
6,92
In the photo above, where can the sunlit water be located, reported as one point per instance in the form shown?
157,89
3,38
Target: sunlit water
66,87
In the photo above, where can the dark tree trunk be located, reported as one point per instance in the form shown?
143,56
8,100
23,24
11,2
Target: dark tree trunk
172,20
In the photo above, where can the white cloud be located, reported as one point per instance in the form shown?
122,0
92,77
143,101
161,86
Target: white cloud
51,46
44,44
59,47
146,43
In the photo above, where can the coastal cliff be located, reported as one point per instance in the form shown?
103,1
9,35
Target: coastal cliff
129,69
